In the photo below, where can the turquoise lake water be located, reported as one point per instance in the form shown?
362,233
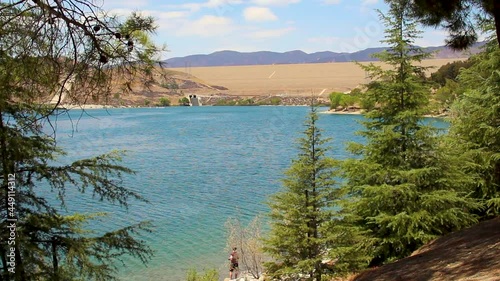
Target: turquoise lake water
198,166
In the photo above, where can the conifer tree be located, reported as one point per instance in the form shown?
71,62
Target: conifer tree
403,190
301,211
459,17
475,128
49,49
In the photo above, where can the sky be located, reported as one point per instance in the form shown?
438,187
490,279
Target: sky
206,26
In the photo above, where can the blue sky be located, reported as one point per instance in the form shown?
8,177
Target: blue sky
205,26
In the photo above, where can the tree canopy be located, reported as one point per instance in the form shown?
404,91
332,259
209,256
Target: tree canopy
403,190
50,50
475,128
300,213
459,17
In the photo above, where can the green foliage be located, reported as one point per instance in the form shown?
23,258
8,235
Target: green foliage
147,102
239,102
447,94
275,101
449,71
349,100
134,35
164,101
356,92
300,212
403,189
340,99
346,245
475,128
207,275
246,102
335,99
184,101
367,104
447,78
226,102
48,51
87,255
459,17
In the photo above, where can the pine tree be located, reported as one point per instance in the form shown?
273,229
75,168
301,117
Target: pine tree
474,129
44,48
459,17
301,211
403,190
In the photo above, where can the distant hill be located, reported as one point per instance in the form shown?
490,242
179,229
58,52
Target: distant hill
232,58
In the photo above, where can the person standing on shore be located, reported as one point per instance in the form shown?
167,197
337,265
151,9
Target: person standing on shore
233,266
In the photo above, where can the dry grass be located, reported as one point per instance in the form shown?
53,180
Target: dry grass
289,79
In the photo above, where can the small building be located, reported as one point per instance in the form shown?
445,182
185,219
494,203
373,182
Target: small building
194,100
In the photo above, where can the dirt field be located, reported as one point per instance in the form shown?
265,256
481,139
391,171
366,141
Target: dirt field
471,254
288,79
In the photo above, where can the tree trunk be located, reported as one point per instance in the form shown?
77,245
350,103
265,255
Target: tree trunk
4,263
55,263
19,266
496,17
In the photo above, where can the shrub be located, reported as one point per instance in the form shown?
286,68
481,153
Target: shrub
207,275
335,98
248,240
275,101
184,101
449,71
164,102
348,100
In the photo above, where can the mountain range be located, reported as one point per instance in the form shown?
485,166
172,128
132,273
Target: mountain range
232,58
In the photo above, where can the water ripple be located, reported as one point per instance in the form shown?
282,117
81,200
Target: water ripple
197,167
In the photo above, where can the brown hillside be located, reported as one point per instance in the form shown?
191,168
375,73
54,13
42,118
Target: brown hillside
292,79
290,83
471,254
166,83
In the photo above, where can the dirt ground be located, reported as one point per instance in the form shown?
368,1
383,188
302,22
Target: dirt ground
471,254
291,79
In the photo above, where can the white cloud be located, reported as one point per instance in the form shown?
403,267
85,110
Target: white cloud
270,33
259,14
164,20
369,2
156,13
274,2
120,12
132,4
220,5
171,15
331,2
431,38
207,26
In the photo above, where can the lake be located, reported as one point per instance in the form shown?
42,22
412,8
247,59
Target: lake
198,167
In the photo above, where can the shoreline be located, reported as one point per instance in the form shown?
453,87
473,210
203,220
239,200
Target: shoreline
87,106
354,112
329,111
